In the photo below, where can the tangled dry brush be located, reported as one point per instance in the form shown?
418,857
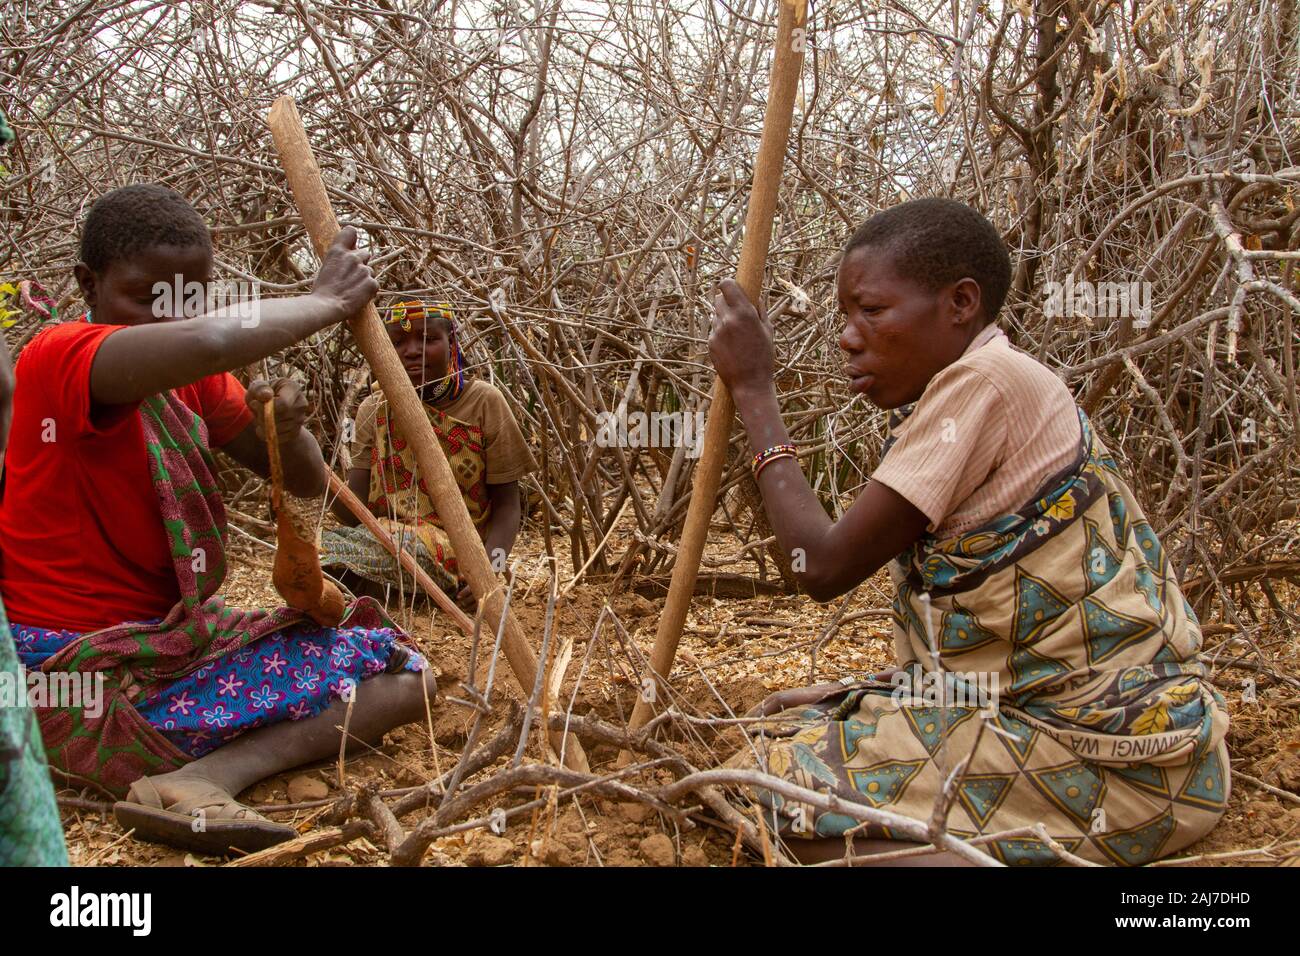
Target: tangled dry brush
572,177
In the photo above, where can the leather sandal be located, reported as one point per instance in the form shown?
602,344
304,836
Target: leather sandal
210,821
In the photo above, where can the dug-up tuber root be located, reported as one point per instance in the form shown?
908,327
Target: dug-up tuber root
297,575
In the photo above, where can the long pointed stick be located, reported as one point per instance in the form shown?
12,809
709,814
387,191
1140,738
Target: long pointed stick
408,412
787,63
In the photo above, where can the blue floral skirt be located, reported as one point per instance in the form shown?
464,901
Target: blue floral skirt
293,674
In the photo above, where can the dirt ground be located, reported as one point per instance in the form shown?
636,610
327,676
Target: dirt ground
734,653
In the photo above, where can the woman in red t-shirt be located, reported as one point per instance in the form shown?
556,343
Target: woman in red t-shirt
112,528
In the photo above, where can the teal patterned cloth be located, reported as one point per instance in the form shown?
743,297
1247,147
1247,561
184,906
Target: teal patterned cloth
30,831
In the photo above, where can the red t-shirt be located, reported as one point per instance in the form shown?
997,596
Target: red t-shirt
82,544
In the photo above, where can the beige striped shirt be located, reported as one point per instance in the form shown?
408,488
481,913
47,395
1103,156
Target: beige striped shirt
985,434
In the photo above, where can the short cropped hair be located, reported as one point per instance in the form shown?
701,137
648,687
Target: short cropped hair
935,242
133,218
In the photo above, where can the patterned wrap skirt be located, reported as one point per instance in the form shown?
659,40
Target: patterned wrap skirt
1054,649
291,674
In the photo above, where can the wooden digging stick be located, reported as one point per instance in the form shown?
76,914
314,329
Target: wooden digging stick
786,66
407,560
408,412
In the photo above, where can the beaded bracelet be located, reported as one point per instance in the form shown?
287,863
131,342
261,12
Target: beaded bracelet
768,461
769,455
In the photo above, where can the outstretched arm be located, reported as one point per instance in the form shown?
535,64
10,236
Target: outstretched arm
837,555
147,360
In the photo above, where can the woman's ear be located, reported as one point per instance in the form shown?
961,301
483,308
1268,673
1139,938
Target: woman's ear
85,282
966,301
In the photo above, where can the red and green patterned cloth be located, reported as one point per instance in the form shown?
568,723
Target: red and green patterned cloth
113,743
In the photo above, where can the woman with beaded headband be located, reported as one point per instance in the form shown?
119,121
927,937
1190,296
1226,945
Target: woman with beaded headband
483,445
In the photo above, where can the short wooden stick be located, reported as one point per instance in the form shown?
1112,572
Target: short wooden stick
405,558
